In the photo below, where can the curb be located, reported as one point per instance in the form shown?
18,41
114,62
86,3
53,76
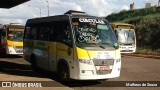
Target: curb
142,55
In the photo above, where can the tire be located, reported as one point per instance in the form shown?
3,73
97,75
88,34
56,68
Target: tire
3,53
33,63
63,73
102,80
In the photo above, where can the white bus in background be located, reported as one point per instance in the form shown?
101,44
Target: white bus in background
126,37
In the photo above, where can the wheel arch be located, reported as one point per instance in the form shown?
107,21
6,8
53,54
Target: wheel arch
32,58
63,62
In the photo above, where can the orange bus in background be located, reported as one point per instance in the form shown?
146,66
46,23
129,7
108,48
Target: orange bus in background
11,39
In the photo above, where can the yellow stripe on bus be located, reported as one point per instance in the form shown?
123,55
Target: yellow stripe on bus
14,43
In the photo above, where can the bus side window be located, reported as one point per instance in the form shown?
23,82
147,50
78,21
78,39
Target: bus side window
33,33
43,33
27,32
52,34
59,32
3,33
64,34
46,34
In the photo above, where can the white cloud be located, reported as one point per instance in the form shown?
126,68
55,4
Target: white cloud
127,1
125,8
150,1
32,8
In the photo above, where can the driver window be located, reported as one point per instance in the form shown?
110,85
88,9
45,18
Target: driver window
64,33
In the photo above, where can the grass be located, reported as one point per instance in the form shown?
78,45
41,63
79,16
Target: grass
148,51
150,16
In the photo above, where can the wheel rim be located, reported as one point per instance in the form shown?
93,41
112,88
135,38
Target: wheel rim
64,75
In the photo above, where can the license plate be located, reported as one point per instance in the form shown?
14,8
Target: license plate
127,50
103,68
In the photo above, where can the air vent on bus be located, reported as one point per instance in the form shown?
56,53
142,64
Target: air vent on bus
75,12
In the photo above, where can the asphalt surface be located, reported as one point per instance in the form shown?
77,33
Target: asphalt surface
15,68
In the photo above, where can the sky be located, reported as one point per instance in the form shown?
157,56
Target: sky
37,8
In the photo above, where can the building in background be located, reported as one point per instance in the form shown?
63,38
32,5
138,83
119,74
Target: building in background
132,6
159,3
148,5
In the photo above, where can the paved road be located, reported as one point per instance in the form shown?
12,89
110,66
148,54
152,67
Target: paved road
14,68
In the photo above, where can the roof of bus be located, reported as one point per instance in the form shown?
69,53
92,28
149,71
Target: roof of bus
121,24
15,26
58,17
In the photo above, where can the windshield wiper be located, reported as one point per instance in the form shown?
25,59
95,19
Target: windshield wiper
102,47
115,46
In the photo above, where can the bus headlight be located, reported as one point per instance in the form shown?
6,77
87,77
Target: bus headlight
118,60
86,61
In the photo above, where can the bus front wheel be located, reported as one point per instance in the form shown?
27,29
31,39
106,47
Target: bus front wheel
63,73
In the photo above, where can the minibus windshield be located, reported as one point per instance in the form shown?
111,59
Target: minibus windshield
126,36
93,32
14,35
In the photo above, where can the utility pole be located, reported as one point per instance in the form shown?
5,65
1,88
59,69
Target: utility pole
48,6
40,12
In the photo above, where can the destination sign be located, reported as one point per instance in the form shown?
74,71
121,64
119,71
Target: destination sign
125,27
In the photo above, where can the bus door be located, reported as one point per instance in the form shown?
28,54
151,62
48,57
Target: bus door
64,43
2,37
52,47
42,48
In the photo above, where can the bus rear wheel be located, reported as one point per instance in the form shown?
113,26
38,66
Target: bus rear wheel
33,63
